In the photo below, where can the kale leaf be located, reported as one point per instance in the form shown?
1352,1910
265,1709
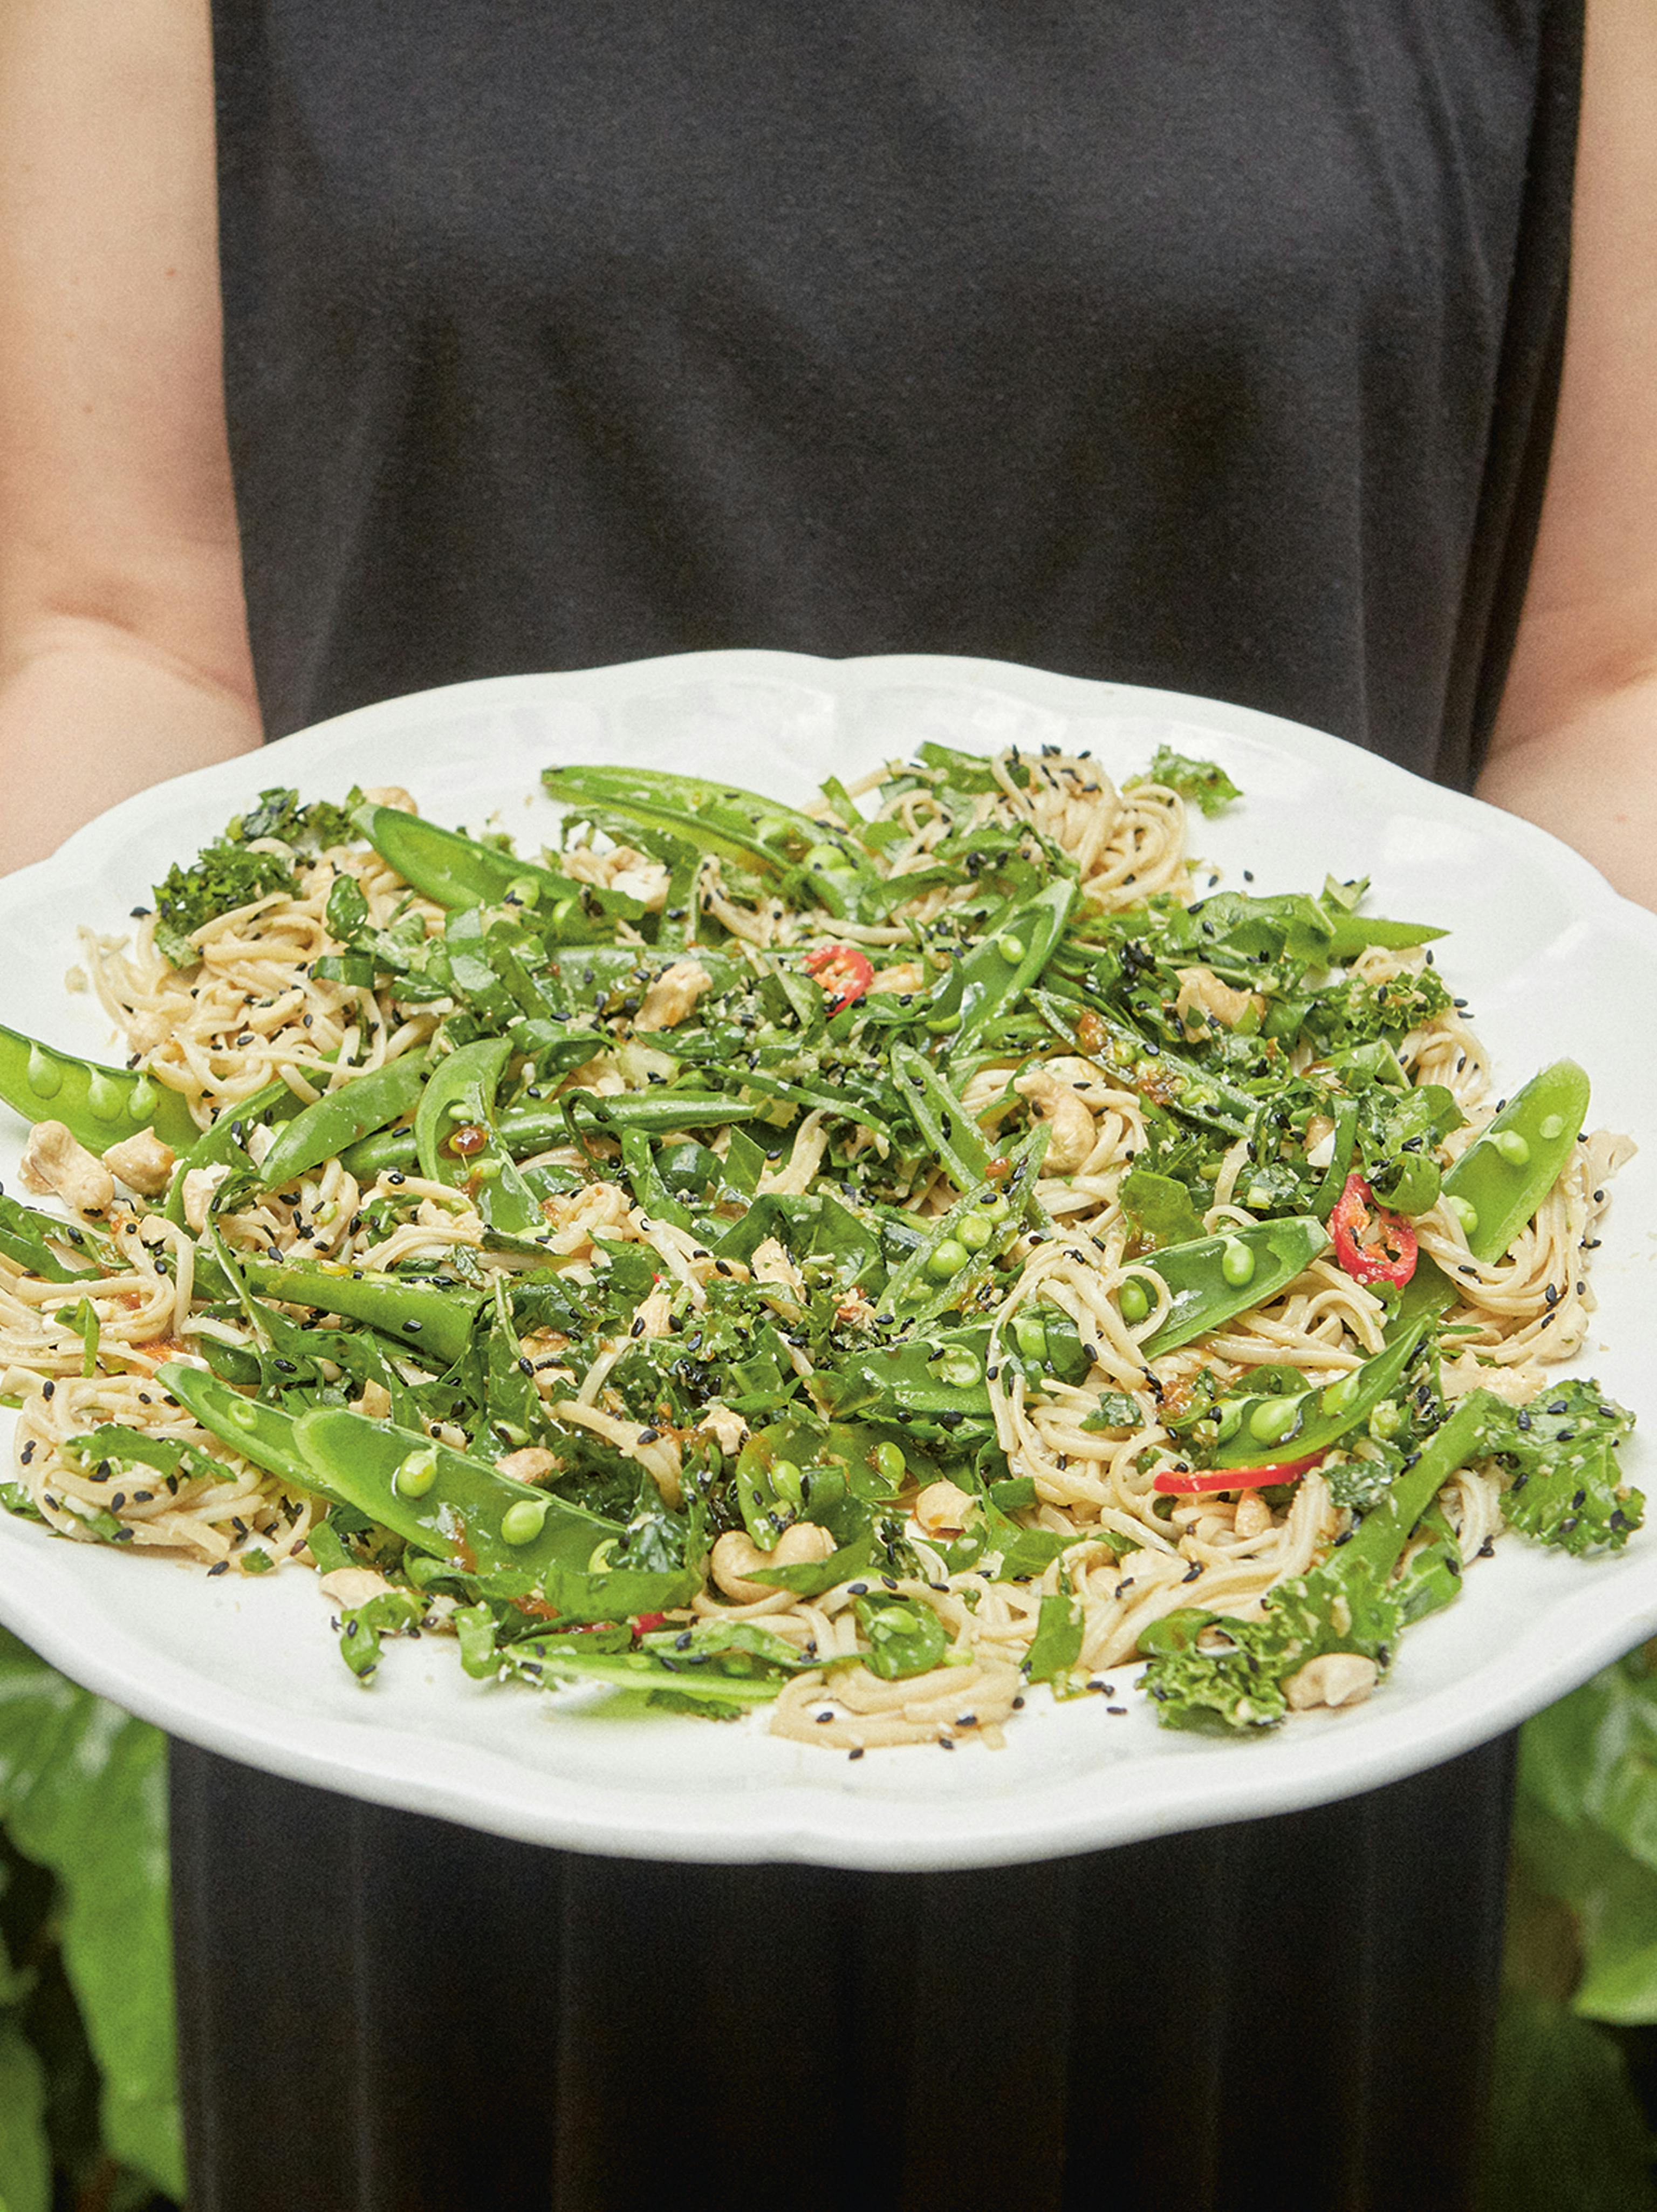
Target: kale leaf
1562,1450
1204,783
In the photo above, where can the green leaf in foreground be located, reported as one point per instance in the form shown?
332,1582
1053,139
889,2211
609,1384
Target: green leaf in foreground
1564,2133
82,1792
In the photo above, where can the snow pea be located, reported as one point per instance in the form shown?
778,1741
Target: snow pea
1341,1148
1262,1259
338,1118
99,1106
434,1326
459,1094
1001,966
461,872
1265,1431
760,835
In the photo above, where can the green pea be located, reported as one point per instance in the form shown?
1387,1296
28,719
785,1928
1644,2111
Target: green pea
1465,1212
140,1100
415,1474
460,1109
1228,1420
959,1368
825,856
788,1480
1339,1394
45,1076
521,1523
1236,1262
889,1464
1133,1300
104,1097
996,1208
1550,1126
947,1259
1010,948
1273,1419
1029,1332
242,1415
1512,1147
1387,1420
523,890
974,1232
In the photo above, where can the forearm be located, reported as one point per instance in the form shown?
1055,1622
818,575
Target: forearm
1591,779
86,718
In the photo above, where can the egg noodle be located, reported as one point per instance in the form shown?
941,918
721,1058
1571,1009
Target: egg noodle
1025,1534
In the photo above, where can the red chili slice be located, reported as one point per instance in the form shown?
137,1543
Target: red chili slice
644,1622
844,973
1194,1484
1373,1245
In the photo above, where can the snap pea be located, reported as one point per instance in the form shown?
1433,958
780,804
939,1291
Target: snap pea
944,1125
328,1124
1501,1188
461,1514
224,1142
535,1124
434,1326
1156,1073
911,1292
1258,1429
759,834
1508,1173
460,1094
99,1106
1001,966
460,872
1203,1295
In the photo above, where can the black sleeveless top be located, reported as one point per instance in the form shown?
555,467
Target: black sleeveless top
1207,347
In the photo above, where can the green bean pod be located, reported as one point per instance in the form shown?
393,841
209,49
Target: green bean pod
1001,966
460,872
1305,1422
1508,1173
99,1106
441,1502
460,1094
339,1118
434,1326
1202,1296
943,1123
758,834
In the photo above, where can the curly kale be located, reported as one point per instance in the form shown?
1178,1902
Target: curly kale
1562,1452
1356,1012
222,878
227,874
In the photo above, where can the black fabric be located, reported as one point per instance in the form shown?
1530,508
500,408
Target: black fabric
1197,346
396,2017
1207,347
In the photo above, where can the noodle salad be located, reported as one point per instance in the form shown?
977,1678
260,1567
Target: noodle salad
858,1263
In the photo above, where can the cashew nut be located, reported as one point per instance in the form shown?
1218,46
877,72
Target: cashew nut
53,1161
736,1556
1252,1516
144,1163
1201,990
942,1507
1337,1678
392,794
532,1464
199,1186
728,1430
350,1587
672,995
1067,1114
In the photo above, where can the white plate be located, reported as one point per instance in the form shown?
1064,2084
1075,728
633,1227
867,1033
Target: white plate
1552,962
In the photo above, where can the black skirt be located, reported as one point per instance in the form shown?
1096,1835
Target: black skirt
382,2013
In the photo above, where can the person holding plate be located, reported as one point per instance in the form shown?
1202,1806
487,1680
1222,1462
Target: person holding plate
347,350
